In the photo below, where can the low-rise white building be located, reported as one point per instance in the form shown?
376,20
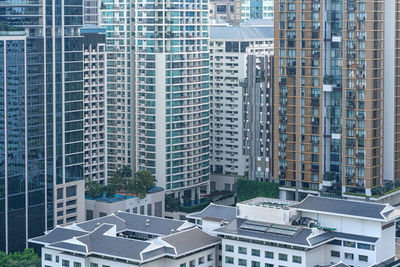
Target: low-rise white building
152,204
315,232
126,240
213,217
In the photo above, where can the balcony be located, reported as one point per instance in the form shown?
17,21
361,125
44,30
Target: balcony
360,87
360,117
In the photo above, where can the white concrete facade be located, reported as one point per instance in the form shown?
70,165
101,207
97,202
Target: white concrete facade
152,204
115,18
171,81
69,203
228,68
95,152
251,9
357,240
205,258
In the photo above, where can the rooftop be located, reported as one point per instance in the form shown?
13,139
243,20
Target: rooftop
382,212
299,236
214,212
122,197
92,28
269,202
103,237
259,22
240,33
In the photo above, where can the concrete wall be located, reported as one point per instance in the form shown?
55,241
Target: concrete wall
64,206
264,214
132,205
163,262
346,224
386,246
222,181
249,258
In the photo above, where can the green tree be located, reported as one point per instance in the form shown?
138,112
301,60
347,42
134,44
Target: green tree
172,203
145,178
109,190
142,182
120,179
248,189
94,189
26,258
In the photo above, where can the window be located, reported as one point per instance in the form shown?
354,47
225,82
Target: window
209,257
242,250
57,259
349,256
71,219
269,254
229,248
229,260
362,258
242,262
282,257
59,193
364,246
47,257
71,191
78,264
255,252
102,214
182,265
335,242
201,260
94,264
349,244
335,253
65,263
71,202
296,259
269,265
192,263
255,264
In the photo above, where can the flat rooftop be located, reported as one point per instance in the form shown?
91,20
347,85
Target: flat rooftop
350,208
121,196
214,212
269,202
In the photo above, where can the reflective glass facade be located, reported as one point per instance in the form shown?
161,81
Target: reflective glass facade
41,113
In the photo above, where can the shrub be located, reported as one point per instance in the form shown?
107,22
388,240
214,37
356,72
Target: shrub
248,189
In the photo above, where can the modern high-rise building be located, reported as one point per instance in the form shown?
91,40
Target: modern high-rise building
172,94
115,18
225,10
41,88
257,113
230,47
91,10
94,103
336,100
257,9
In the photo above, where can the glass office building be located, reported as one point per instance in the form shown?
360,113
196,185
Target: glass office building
41,115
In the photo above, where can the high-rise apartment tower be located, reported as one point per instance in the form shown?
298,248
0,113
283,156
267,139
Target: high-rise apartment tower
336,99
172,94
115,18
